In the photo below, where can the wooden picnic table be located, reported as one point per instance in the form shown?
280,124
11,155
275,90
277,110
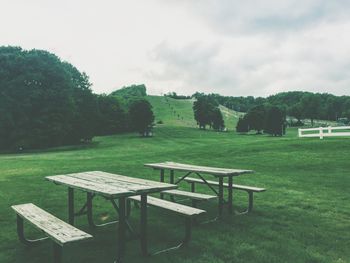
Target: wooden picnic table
219,173
111,187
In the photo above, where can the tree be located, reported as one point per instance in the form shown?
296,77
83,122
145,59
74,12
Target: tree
311,106
256,118
275,120
44,102
296,111
242,125
217,120
112,116
203,109
131,91
141,116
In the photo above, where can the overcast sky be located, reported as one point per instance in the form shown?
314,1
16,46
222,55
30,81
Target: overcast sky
229,47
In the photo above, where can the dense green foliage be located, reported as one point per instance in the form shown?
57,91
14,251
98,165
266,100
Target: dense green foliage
268,118
133,91
302,217
275,121
113,117
217,120
44,101
206,112
141,116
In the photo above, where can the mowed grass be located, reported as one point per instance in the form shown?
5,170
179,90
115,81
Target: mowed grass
304,216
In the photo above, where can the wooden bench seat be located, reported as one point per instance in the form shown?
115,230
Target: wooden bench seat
171,206
191,195
54,228
249,189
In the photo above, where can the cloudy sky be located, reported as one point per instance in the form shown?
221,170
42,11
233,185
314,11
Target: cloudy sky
230,47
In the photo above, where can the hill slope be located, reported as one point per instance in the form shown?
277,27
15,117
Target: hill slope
176,112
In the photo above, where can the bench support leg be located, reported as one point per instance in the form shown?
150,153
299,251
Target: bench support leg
57,253
185,241
250,204
20,233
71,206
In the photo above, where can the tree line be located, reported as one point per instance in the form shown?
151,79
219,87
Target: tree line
47,102
298,104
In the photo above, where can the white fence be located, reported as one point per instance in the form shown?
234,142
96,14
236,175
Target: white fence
325,132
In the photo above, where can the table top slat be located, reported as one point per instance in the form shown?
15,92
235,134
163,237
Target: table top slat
90,186
196,168
136,181
110,185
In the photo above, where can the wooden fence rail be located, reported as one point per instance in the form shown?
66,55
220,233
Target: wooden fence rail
325,132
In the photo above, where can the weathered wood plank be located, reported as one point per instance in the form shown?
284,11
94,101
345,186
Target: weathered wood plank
58,230
234,186
191,195
200,169
90,186
178,208
135,185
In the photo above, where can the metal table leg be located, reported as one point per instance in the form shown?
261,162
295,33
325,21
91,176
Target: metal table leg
143,226
230,190
71,206
121,229
172,182
162,180
221,195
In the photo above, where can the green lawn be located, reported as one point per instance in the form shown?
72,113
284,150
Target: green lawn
304,216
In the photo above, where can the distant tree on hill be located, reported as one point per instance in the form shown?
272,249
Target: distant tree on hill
296,111
141,116
256,118
275,121
217,120
130,92
242,125
203,109
173,95
311,107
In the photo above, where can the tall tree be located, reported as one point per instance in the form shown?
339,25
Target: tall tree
141,116
256,118
203,109
217,119
275,121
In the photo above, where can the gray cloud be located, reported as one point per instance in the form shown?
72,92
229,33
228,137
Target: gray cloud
262,47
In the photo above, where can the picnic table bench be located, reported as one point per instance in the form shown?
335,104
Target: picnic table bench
249,189
216,172
54,228
112,187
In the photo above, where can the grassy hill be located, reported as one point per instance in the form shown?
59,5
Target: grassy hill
302,217
174,112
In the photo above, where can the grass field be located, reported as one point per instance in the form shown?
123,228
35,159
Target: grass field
303,217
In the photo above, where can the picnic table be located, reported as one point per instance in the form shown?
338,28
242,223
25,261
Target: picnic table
219,173
111,187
